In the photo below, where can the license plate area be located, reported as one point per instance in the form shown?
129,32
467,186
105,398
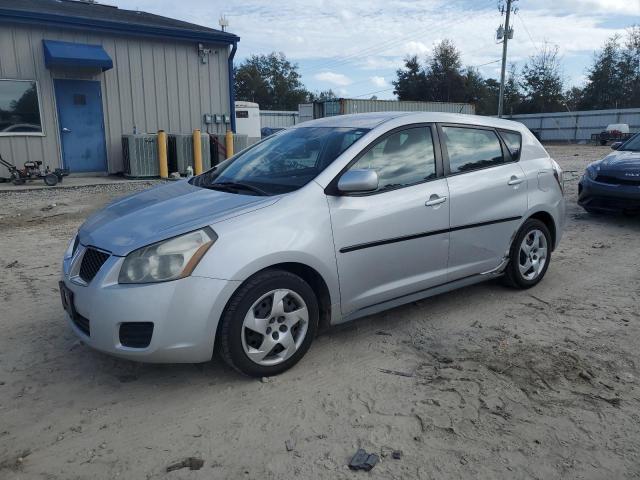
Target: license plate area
66,296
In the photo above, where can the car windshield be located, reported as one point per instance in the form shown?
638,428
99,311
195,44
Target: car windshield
282,163
633,144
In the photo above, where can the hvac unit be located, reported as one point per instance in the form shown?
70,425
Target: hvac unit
219,151
180,153
140,153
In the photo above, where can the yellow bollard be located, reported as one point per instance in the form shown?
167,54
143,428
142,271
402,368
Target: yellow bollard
228,143
197,152
162,154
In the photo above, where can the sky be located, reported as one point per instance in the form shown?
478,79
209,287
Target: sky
355,47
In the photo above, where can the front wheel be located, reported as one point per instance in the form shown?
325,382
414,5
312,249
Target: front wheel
269,323
529,256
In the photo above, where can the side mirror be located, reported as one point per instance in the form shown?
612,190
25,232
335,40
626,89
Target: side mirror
616,145
358,181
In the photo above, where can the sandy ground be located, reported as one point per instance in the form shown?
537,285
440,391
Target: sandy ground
497,383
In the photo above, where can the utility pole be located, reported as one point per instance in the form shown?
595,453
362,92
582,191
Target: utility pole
505,33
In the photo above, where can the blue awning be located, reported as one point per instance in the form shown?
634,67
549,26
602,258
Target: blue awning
73,55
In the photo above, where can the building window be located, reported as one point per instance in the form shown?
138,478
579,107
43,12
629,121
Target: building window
19,108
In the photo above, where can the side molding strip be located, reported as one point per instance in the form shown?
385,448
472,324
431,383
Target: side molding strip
387,241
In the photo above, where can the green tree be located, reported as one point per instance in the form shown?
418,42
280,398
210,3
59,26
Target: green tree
410,84
487,104
573,98
604,84
272,81
444,78
322,95
541,82
512,93
630,68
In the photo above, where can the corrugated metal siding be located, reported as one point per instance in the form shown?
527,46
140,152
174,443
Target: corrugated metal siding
347,105
155,84
278,118
576,126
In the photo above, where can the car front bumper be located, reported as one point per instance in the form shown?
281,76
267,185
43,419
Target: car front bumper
184,314
595,195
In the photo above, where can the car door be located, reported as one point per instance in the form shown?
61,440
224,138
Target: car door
488,196
393,241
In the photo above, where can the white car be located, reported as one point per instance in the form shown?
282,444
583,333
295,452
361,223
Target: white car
328,221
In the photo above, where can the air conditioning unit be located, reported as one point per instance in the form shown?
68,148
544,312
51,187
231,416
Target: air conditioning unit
140,154
240,142
180,152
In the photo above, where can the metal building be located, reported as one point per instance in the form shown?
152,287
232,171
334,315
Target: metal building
77,75
576,126
343,106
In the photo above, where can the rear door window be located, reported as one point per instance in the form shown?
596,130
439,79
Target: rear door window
471,148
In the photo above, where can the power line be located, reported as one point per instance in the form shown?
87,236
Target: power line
379,48
527,30
373,93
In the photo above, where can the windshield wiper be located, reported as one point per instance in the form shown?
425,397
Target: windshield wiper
236,186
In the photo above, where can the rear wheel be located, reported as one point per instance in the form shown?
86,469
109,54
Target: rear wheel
529,256
51,179
269,324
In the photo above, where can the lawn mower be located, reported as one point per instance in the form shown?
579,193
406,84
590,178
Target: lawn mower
33,171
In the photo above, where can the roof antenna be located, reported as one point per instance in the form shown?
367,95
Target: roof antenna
223,22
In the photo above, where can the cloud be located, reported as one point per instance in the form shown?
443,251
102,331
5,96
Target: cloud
334,42
334,78
416,48
378,81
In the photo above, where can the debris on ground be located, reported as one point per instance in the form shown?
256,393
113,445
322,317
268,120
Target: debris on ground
264,379
192,463
396,372
11,264
396,454
16,462
363,460
383,333
289,445
49,207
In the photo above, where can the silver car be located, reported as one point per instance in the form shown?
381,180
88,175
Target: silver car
323,223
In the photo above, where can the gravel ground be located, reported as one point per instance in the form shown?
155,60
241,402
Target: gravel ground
493,383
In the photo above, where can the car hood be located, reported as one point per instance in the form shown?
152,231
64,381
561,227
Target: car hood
162,212
621,161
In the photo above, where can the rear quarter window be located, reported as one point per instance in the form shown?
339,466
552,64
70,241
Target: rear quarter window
513,140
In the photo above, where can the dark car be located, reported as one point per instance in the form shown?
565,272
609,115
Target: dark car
613,183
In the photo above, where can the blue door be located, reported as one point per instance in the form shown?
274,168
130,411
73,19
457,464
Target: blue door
81,125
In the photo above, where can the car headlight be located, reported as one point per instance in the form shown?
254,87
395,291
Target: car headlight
72,247
592,171
167,260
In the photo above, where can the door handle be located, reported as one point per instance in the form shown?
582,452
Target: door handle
515,180
435,200
65,130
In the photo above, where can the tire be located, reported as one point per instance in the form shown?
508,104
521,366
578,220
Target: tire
255,300
51,179
514,275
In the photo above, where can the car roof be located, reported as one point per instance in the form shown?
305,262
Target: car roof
372,120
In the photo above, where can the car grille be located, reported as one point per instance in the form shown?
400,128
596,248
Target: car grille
136,334
618,181
82,323
91,263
